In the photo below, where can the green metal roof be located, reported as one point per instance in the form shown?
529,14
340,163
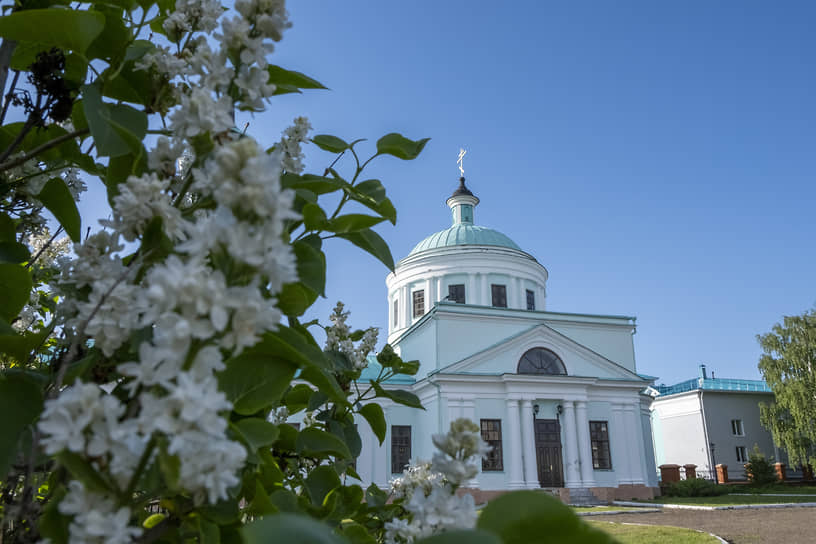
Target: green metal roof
463,235
714,384
373,370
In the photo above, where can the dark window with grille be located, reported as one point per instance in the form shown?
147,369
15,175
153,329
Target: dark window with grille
396,312
530,300
400,447
491,433
499,295
419,303
456,293
599,437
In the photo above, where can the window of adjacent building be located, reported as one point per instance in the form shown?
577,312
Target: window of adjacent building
742,454
400,447
530,300
456,293
736,427
599,438
492,434
419,303
396,312
499,293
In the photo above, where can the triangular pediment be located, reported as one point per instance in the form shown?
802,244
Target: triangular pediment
503,357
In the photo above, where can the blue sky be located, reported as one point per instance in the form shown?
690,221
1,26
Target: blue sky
656,157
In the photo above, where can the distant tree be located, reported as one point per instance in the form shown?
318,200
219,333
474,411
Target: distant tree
788,364
760,469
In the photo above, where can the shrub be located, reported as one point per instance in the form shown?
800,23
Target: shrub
695,487
759,469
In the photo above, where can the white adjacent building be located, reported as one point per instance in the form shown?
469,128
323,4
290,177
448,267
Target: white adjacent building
707,421
556,394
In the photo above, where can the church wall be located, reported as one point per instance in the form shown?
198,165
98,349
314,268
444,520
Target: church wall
465,336
648,446
493,409
613,343
422,346
602,411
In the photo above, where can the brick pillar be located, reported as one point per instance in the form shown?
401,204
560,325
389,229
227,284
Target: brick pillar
691,473
722,473
807,473
780,471
669,473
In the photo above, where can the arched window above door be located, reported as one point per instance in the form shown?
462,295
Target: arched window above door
541,361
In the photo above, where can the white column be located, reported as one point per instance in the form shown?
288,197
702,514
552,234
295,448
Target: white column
444,408
439,294
472,289
391,326
572,478
634,431
430,294
619,444
485,289
584,449
469,412
454,411
528,443
408,311
513,446
513,296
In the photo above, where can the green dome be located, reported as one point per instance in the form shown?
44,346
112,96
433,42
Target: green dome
463,234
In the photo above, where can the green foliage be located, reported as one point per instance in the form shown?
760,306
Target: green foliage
787,365
20,404
67,29
529,516
695,487
15,286
760,469
57,198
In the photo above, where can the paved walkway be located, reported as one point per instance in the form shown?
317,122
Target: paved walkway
788,525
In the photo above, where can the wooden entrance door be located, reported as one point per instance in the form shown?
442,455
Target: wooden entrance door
548,453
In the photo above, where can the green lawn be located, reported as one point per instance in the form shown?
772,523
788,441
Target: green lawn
724,500
604,508
778,488
653,534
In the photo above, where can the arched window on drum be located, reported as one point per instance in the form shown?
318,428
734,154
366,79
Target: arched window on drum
541,361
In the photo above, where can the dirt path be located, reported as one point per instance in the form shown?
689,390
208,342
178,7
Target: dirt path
768,525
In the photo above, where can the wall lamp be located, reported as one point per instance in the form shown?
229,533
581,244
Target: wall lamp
536,407
559,409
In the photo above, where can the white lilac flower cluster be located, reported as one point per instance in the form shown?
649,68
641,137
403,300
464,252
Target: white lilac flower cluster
23,183
338,338
183,315
293,137
46,252
429,489
96,517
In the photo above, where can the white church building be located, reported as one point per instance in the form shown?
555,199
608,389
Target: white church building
556,394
